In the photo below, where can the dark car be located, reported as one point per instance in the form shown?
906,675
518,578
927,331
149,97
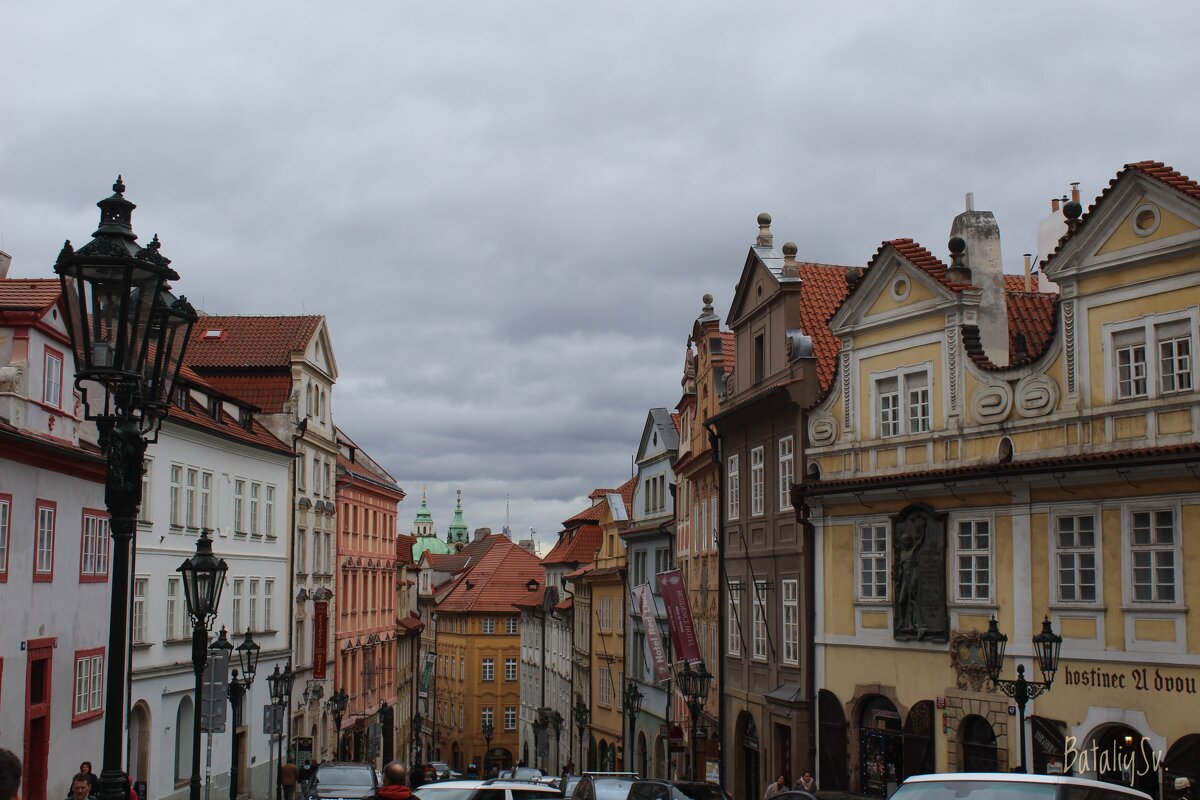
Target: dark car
567,784
342,780
604,786
680,790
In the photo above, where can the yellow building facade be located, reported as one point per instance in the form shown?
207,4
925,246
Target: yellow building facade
1023,447
606,581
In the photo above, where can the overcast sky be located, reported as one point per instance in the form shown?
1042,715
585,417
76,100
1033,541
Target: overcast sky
509,211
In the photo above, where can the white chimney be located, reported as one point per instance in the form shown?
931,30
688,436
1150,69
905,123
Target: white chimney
982,235
5,263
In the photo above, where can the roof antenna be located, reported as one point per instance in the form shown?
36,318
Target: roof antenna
507,519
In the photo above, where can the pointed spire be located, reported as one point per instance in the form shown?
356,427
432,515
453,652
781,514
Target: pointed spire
423,524
458,528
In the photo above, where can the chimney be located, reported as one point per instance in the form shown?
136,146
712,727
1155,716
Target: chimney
1028,274
1075,191
765,239
790,268
984,267
5,263
1053,205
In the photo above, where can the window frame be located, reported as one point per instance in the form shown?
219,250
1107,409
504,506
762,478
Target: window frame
1096,550
907,380
733,487
487,670
510,627
176,495
758,640
239,506
5,534
510,669
860,555
139,628
489,626
787,470
41,505
789,616
93,519
975,552
173,604
1149,333
1130,548
510,718
758,481
733,644
52,354
88,665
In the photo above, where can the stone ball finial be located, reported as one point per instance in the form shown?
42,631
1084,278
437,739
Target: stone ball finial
764,219
708,298
957,245
1073,210
790,249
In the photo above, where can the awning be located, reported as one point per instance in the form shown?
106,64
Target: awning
788,694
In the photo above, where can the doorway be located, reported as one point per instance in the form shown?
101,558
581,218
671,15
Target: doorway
37,718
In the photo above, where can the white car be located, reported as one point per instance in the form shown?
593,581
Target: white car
495,789
1011,786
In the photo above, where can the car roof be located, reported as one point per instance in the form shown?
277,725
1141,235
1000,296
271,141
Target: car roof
1016,777
494,783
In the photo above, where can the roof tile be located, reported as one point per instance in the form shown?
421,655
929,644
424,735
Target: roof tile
498,579
249,341
28,294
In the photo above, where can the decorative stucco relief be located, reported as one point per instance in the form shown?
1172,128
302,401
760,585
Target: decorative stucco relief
991,402
822,430
1037,396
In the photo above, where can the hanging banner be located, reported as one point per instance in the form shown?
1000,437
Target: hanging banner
427,674
320,638
649,616
679,616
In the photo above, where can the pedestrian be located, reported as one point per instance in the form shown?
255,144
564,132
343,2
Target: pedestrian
569,768
416,777
395,783
288,775
80,788
775,788
1183,788
472,772
807,782
10,775
86,769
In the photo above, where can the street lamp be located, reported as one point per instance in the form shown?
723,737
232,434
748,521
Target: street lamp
117,306
247,653
336,705
1046,647
281,696
203,577
417,721
556,720
540,723
583,716
631,704
694,684
488,732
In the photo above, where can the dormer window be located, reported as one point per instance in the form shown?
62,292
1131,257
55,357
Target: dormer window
182,396
214,333
214,408
246,418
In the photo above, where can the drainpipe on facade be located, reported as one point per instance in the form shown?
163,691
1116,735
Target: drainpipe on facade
714,441
291,595
810,594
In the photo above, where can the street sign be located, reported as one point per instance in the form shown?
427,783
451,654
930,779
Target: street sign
214,697
273,720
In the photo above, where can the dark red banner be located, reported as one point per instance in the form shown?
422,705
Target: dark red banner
320,639
679,616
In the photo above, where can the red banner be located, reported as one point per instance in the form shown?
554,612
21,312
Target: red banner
658,654
679,616
320,639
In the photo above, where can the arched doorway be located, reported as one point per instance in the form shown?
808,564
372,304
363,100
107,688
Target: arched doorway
833,771
593,762
455,758
139,739
748,769
660,757
643,767
183,740
978,741
880,746
1130,767
497,759
1182,761
918,739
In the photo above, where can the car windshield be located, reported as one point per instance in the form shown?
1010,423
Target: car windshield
346,776
534,794
697,791
975,790
431,791
612,788
526,773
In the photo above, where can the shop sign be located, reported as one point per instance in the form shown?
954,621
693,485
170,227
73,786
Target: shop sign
320,639
1141,679
679,616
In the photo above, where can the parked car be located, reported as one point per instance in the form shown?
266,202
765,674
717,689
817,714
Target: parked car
493,789
1006,786
443,771
604,786
344,780
521,774
652,789
567,784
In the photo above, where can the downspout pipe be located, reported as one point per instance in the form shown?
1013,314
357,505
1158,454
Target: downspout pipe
714,441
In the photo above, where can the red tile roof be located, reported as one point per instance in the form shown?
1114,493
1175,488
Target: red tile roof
579,573
404,546
675,420
28,294
824,292
1032,315
268,393
576,544
729,348
198,416
497,580
922,259
249,341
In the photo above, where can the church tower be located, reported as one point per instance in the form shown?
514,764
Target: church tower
457,536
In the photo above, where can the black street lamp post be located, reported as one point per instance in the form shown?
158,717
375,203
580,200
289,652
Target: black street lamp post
631,704
281,695
119,311
203,577
1046,648
337,707
540,724
694,683
417,721
248,660
488,732
583,716
556,720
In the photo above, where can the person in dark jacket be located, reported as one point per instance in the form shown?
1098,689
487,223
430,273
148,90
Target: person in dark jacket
10,775
395,783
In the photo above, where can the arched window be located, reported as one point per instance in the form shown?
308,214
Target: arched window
308,400
978,745
183,740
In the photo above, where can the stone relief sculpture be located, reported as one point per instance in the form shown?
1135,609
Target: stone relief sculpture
919,575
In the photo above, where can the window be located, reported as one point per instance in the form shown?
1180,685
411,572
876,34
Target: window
52,379
316,481
787,471
510,718
253,596
712,522
1175,364
604,613
757,482
487,718
1131,370
43,562
760,620
510,669
206,499
193,477
5,522
734,645
144,506
489,669
1076,558
268,604
1153,356
662,563
903,403
639,568
1152,544
325,488
605,688
302,470
301,551
174,619
93,561
873,562
511,626
177,495
138,634
269,512
791,621
760,357
238,585
489,625
89,685
239,502
973,546
255,491
734,488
